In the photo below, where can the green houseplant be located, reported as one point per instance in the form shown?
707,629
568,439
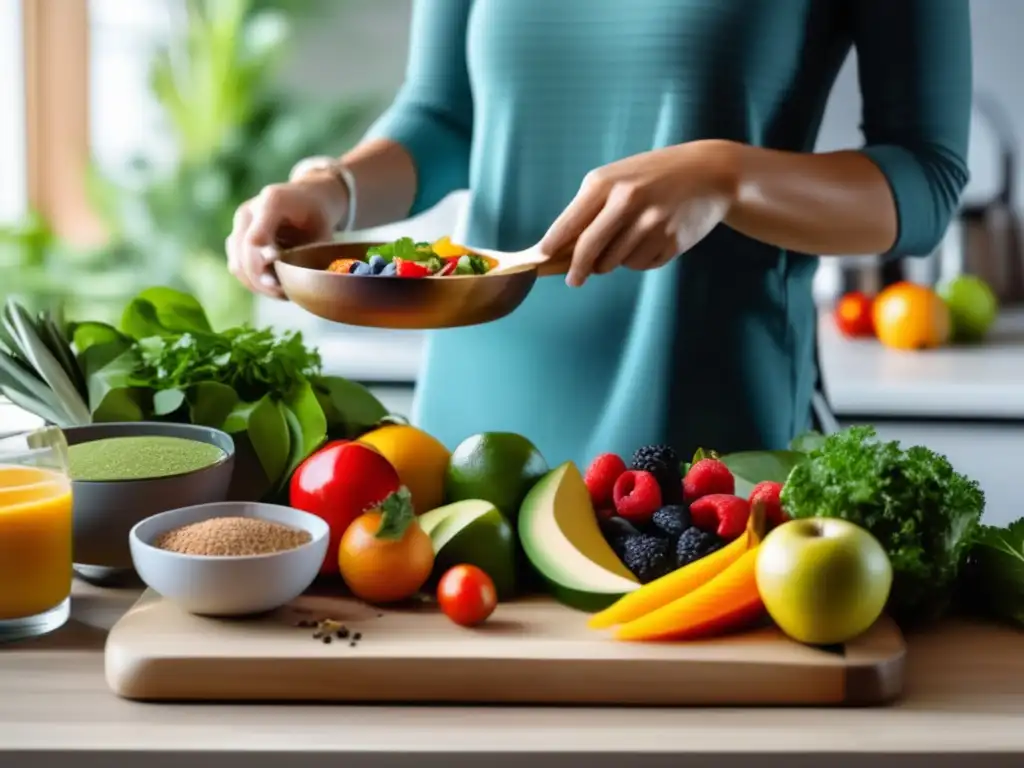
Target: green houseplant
235,129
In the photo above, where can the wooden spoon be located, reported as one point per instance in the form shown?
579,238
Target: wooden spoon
532,257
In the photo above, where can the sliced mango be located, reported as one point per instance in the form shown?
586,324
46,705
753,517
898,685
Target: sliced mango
729,602
682,581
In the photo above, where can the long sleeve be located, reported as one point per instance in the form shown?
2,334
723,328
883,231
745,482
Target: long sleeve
915,74
432,115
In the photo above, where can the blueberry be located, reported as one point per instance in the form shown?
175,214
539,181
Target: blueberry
377,264
389,269
362,268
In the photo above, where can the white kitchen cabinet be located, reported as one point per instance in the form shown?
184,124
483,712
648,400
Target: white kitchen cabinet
990,453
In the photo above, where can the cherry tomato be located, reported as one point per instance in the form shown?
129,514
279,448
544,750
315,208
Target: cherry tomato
853,315
466,595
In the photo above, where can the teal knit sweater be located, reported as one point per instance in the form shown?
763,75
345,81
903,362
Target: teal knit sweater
517,99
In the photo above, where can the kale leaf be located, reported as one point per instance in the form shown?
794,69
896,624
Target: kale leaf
923,512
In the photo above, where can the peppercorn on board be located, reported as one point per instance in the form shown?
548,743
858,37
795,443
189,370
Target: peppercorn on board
533,651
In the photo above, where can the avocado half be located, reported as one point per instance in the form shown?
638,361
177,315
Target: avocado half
561,538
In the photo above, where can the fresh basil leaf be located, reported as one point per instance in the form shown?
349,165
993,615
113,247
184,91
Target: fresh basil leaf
167,401
158,311
355,407
211,403
307,425
405,248
265,425
385,250
753,467
112,396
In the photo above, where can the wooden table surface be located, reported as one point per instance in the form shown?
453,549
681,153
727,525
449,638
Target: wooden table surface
965,697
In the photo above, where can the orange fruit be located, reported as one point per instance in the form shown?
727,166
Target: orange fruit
420,460
911,316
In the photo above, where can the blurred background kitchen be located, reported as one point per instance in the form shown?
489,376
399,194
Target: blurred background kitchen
131,129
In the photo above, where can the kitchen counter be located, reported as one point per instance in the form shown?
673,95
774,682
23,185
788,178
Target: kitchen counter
964,703
863,378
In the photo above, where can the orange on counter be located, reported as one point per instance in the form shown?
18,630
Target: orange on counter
35,541
911,316
419,459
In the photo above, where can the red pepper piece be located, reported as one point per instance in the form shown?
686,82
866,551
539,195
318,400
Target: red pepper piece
448,268
405,268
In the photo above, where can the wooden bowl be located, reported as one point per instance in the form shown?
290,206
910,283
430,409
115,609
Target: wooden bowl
394,302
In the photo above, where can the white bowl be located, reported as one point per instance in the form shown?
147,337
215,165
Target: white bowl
228,585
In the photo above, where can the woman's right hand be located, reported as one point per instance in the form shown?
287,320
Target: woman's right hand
305,210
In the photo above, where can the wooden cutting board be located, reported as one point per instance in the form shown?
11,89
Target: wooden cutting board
530,652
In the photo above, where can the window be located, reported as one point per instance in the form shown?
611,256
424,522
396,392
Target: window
13,183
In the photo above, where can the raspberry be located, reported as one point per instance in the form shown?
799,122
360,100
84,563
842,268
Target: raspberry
721,513
637,496
662,462
768,494
706,477
601,477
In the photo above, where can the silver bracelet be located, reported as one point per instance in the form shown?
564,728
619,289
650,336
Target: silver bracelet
343,176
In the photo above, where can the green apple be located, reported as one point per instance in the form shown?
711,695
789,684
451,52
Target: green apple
823,580
473,532
972,307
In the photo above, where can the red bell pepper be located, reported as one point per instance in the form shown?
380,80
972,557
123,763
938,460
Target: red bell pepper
405,268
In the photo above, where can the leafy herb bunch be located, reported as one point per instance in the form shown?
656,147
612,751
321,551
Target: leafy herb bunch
165,362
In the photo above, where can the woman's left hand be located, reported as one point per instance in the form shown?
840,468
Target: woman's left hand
643,211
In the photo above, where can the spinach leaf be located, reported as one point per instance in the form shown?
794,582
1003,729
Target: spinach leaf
167,401
264,423
307,425
996,571
753,467
89,334
353,410
159,311
211,403
112,394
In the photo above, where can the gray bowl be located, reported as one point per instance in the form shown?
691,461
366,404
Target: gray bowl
229,585
105,511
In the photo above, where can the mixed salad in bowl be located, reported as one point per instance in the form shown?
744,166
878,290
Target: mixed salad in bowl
407,258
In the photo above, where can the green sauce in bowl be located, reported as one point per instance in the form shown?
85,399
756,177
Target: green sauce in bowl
142,457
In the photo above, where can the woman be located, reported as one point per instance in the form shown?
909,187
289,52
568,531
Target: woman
665,145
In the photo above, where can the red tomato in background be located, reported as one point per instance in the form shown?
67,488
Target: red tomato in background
466,595
853,315
337,484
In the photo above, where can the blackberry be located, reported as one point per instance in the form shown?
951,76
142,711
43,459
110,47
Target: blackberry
672,520
616,530
662,462
648,557
695,544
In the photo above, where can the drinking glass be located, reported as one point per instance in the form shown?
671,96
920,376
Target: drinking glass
35,534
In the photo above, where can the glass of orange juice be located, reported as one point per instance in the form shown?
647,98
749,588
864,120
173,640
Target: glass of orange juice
35,534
